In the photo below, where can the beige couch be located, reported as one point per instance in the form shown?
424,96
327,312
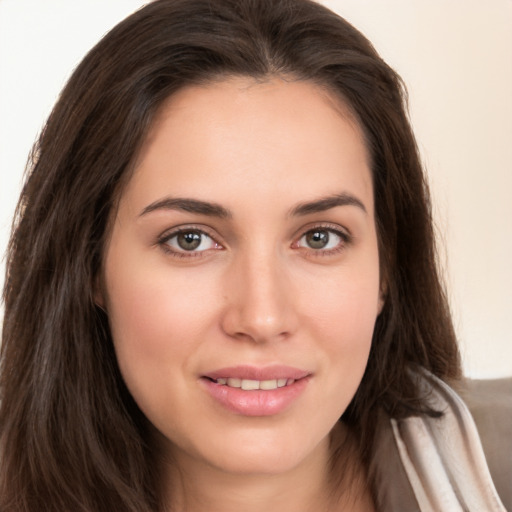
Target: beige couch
490,403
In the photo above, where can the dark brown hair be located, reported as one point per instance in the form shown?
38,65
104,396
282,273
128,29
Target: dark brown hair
71,437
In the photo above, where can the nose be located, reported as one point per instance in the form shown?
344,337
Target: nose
260,300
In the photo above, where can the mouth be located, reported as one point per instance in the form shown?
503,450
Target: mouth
253,391
253,385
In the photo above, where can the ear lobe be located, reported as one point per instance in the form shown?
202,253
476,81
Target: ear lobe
99,294
382,297
380,305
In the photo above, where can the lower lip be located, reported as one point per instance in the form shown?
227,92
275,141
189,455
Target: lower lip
256,402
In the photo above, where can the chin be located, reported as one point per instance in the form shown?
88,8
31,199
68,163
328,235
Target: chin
263,463
264,454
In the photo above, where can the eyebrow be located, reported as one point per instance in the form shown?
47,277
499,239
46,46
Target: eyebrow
326,203
190,206
216,210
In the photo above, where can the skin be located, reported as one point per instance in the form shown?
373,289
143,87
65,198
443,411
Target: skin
254,292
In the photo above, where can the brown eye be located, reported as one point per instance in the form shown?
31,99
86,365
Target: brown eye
317,239
189,240
320,239
192,241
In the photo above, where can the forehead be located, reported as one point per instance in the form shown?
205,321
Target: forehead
239,134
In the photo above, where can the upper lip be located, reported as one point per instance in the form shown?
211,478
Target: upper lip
249,372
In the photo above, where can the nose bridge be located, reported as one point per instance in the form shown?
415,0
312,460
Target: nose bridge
261,305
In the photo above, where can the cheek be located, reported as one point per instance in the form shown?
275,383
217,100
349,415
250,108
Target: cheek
347,325
343,316
156,321
347,304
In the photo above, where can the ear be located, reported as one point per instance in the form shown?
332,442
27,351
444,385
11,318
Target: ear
382,296
99,292
380,305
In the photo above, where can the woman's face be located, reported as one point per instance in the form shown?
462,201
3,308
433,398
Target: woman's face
241,278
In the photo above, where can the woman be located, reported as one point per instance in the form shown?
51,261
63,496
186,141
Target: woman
223,247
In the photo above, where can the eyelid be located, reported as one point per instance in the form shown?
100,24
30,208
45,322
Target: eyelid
338,230
328,226
176,230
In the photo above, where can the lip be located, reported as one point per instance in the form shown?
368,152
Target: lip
258,373
256,402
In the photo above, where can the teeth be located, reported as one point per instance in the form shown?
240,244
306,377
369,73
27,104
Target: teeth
250,385
268,384
234,383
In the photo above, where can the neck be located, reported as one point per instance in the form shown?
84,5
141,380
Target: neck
195,486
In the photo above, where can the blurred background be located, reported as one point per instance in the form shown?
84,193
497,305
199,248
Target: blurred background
455,57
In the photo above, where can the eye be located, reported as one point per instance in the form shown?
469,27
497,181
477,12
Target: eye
322,239
188,241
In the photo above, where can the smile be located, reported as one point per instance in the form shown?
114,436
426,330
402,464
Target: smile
256,391
252,385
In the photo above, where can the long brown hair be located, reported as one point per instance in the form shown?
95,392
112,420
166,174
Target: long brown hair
71,436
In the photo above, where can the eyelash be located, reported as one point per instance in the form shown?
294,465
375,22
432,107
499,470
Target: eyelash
163,241
345,240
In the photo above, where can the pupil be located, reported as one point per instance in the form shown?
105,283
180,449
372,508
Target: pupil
317,239
189,240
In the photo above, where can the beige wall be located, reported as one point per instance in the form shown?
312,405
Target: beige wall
456,59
